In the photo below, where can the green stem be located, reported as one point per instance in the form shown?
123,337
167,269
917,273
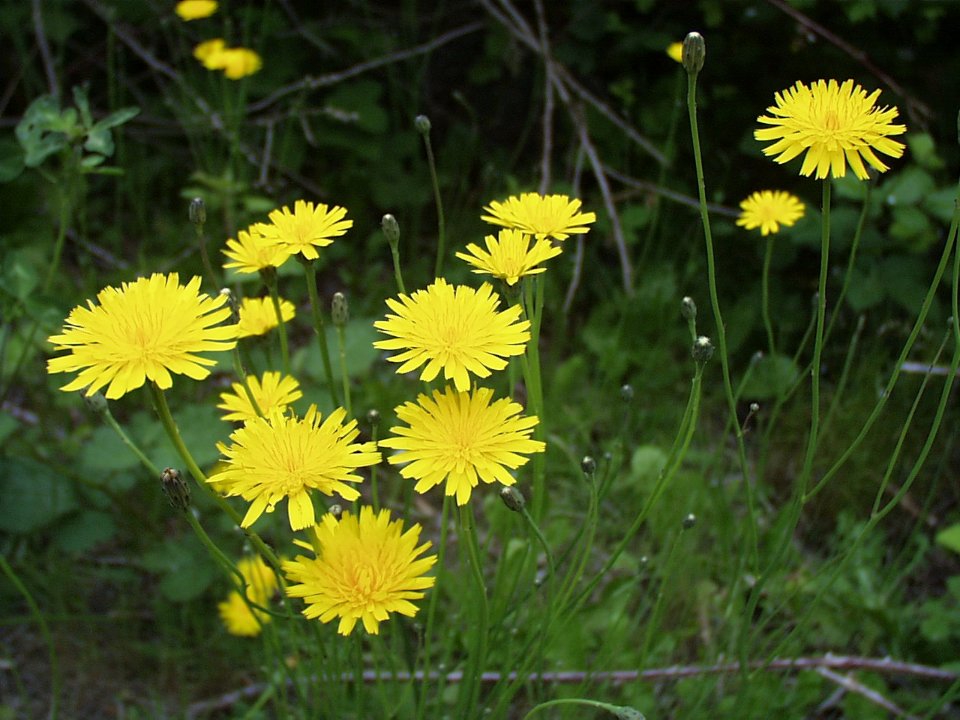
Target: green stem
533,290
425,658
765,292
718,320
66,210
470,692
44,630
344,376
271,280
310,271
441,225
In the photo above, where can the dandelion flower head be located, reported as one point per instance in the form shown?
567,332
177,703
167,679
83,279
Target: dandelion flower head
769,209
834,124
365,568
456,329
237,616
461,439
509,255
280,457
144,330
251,253
305,229
273,392
195,9
258,316
543,216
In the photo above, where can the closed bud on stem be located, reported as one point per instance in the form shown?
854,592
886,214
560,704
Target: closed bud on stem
689,520
626,392
339,310
702,350
391,229
232,303
96,403
688,309
373,417
175,488
694,53
197,211
589,466
336,510
422,123
512,498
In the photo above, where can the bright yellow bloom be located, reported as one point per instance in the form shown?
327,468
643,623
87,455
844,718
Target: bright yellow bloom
142,331
279,457
250,253
461,438
208,50
365,568
675,51
834,124
258,316
235,62
454,329
274,392
769,209
509,255
555,216
237,616
307,228
195,9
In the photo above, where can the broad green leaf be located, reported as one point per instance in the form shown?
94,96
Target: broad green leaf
923,151
116,118
771,375
32,495
84,531
950,538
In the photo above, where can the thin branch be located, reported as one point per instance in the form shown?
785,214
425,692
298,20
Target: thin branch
666,193
851,685
312,83
886,666
44,48
547,148
578,255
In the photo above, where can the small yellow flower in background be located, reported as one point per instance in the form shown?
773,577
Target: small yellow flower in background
281,457
273,392
365,568
769,209
195,9
258,316
834,124
237,616
239,62
144,330
305,229
209,49
461,438
555,216
509,255
251,253
455,329
675,51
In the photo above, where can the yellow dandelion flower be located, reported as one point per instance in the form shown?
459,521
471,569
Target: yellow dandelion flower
208,50
195,9
769,209
307,228
237,616
273,392
461,438
509,255
834,124
675,51
365,568
258,316
455,329
144,330
251,253
543,216
281,457
239,62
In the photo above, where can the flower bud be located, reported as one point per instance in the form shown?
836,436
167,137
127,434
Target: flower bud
694,53
391,229
197,211
512,498
626,392
336,510
689,520
702,350
422,123
339,310
373,417
175,488
688,309
232,304
754,407
588,465
96,403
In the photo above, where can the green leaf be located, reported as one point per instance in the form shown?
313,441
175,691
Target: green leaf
907,187
770,377
11,160
924,151
950,538
99,141
83,532
186,567
32,495
358,346
83,105
117,118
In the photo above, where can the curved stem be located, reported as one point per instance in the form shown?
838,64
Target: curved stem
765,293
271,280
318,326
471,690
